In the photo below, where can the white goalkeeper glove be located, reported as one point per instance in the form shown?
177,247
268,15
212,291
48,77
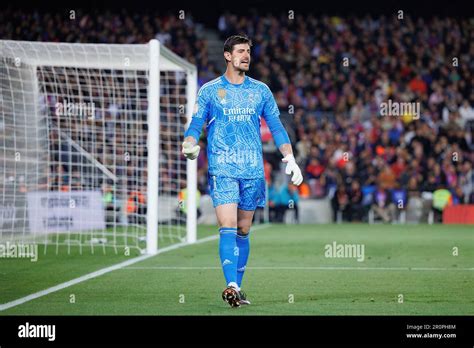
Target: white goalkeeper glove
190,151
292,167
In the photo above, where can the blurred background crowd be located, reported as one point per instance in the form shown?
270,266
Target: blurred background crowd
330,76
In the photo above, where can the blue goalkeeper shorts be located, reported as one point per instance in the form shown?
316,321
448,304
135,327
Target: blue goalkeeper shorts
247,193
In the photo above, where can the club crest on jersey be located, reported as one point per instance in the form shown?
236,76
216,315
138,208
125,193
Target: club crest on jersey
221,93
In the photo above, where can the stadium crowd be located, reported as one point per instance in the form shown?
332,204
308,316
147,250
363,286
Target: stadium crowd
334,74
329,76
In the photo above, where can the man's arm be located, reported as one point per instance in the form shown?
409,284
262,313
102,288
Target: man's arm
280,136
191,140
191,136
286,149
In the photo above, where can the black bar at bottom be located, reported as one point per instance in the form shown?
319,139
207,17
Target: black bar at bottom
133,330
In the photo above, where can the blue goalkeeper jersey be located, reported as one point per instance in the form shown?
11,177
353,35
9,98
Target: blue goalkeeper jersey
232,113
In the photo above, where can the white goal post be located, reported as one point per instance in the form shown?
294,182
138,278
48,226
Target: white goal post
90,140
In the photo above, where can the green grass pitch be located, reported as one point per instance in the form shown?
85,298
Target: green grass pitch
407,270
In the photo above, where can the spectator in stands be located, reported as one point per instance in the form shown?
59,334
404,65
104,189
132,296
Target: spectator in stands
314,169
289,199
466,181
441,199
458,196
466,112
341,204
274,204
356,209
383,206
136,207
112,209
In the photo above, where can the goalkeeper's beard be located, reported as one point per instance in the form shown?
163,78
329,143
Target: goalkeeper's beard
240,67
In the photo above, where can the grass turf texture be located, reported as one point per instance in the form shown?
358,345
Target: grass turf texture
156,287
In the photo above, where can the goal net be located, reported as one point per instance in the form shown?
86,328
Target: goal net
90,139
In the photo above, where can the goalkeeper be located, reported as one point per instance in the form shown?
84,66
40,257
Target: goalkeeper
231,106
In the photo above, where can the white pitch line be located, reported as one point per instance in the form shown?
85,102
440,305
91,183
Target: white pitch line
321,268
103,271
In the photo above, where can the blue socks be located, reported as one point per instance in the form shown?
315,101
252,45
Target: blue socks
243,243
229,253
234,252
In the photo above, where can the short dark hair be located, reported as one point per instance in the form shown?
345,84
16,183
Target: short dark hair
236,40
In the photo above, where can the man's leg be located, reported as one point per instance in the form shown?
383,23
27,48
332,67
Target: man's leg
225,196
228,251
244,222
252,195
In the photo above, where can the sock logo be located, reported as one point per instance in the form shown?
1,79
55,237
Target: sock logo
242,269
226,262
236,251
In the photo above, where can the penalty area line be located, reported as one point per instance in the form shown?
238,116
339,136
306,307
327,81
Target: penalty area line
106,270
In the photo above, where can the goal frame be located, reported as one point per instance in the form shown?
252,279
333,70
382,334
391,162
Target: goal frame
156,52
159,59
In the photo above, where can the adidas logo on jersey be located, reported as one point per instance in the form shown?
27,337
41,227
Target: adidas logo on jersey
226,262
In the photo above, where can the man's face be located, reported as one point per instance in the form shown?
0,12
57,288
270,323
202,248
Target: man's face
240,57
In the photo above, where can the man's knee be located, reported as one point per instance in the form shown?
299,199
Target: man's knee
227,222
243,228
244,221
